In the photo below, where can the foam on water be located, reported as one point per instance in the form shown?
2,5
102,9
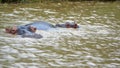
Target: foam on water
29,9
49,12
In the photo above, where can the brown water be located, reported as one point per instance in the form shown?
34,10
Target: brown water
96,44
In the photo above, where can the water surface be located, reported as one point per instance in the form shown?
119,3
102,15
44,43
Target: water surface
96,44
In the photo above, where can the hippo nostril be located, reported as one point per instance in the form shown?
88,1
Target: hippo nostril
35,29
13,31
7,30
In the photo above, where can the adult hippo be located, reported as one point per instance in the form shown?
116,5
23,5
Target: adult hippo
29,30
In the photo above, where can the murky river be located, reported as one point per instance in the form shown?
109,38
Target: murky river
96,44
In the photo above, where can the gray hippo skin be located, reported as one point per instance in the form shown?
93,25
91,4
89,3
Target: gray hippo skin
24,30
28,30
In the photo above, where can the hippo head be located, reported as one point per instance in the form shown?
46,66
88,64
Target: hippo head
32,29
11,30
68,24
16,30
71,25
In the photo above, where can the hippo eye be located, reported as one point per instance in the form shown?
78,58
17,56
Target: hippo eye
34,28
13,31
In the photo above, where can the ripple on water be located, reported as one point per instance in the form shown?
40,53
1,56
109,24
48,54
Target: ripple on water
94,44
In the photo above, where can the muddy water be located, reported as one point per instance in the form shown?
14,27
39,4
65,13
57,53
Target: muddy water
96,44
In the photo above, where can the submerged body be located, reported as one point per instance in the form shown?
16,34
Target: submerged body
41,25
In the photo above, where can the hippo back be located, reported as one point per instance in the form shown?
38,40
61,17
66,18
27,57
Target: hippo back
40,25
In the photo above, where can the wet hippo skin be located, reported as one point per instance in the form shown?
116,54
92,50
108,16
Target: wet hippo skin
29,30
39,25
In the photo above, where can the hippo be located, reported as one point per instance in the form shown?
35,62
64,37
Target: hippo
67,25
29,30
